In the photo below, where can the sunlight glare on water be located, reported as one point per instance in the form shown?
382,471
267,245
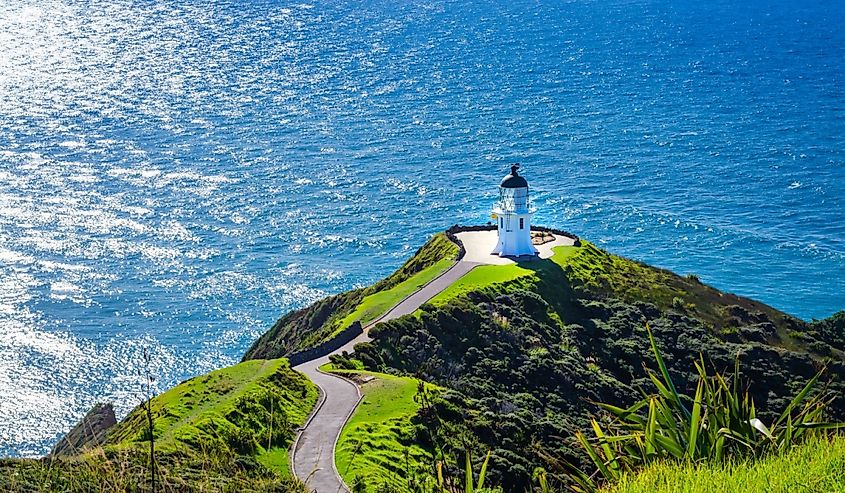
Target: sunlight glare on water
177,175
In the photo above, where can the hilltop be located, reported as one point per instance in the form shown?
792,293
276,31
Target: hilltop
508,358
523,349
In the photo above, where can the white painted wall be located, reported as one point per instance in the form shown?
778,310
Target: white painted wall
513,223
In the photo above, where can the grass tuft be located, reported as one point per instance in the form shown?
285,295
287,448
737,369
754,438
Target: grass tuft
815,467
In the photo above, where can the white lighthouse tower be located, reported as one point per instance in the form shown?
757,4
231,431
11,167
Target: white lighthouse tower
513,215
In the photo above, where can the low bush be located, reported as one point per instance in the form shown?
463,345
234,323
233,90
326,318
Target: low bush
719,422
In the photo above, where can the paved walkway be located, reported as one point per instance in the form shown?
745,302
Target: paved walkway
312,455
479,244
313,452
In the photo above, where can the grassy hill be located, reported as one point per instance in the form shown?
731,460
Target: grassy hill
250,409
589,272
228,430
379,447
518,354
524,348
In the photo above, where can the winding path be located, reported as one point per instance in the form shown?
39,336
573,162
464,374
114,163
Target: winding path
312,454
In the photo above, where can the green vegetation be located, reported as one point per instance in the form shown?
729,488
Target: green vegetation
481,277
113,470
377,304
517,356
228,430
827,336
376,450
310,326
524,349
249,409
468,483
386,445
817,466
525,273
593,272
600,273
720,421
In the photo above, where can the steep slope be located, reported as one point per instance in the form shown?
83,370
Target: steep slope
228,430
526,348
519,352
248,410
308,327
377,449
90,432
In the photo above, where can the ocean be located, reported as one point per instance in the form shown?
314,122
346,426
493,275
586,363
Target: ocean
177,175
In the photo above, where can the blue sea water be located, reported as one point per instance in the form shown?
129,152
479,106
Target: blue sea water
177,175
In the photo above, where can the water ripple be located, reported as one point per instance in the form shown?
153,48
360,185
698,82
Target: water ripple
177,175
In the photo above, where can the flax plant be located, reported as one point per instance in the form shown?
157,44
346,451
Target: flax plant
448,485
721,423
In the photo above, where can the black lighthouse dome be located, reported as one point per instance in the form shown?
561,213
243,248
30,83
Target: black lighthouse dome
513,180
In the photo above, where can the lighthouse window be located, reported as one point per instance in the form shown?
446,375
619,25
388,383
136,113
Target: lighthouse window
501,222
521,223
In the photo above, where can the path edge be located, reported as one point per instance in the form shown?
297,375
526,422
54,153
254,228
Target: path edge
292,453
381,317
301,429
345,422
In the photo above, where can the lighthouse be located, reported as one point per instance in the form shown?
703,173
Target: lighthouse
513,216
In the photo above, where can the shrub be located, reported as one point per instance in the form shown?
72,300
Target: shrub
722,422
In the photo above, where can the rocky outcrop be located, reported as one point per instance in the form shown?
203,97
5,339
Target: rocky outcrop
88,433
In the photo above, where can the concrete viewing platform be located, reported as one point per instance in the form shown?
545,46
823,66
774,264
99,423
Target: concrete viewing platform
479,244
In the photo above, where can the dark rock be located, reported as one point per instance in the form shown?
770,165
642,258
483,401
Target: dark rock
88,433
758,333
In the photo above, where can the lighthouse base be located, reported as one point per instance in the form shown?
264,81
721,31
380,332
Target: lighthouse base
478,245
504,249
514,242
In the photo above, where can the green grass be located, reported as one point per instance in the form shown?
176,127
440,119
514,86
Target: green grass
121,471
276,459
229,409
307,328
212,433
374,305
480,277
487,275
376,443
815,467
562,254
589,269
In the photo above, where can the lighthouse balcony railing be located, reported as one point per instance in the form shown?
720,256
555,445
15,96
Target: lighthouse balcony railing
511,206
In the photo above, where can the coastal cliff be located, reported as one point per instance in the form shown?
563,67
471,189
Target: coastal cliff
524,349
88,433
518,354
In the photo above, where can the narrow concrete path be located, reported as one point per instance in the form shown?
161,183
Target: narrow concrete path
312,455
